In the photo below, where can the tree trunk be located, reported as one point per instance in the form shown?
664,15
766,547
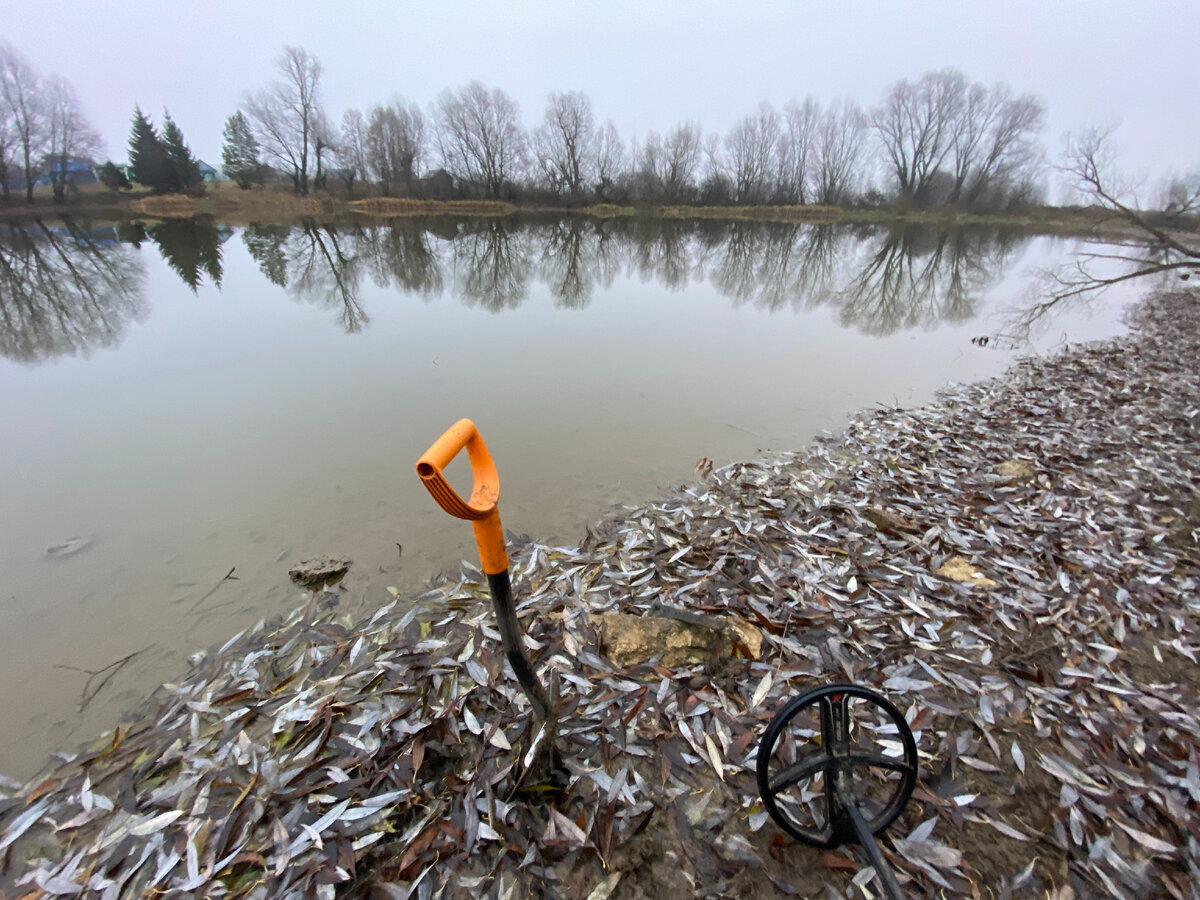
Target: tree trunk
28,177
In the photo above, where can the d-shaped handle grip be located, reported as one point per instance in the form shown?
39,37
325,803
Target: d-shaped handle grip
482,508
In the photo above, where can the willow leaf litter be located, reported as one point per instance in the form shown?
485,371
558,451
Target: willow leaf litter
1015,564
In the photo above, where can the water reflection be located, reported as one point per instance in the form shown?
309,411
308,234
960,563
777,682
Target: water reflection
919,277
315,263
774,266
576,255
401,256
63,292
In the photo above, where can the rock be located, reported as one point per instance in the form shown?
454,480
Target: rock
958,569
889,522
747,639
69,547
629,639
1016,469
319,570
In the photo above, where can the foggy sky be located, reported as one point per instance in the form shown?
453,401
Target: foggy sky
644,64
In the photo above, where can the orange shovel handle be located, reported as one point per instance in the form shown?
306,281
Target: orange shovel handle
481,509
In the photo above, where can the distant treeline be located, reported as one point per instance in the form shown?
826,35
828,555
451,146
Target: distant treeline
936,141
939,141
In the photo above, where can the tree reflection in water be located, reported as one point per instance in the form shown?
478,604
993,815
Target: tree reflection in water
879,279
920,276
65,290
401,255
319,264
492,264
576,255
776,265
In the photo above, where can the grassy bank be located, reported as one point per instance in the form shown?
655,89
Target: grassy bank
225,203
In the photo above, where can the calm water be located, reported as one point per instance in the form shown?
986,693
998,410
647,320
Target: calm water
189,399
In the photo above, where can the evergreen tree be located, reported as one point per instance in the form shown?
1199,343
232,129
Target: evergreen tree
239,154
265,243
183,170
191,247
147,155
112,177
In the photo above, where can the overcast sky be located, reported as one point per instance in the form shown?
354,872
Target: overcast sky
644,64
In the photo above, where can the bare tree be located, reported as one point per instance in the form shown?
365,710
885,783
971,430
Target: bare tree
480,137
324,141
284,115
838,153
352,148
9,145
1181,197
994,142
565,143
395,145
795,150
667,167
750,147
611,159
915,124
24,112
70,138
1089,163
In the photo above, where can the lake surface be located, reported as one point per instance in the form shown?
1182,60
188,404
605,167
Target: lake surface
186,399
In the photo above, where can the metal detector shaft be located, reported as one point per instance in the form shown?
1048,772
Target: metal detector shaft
483,512
845,798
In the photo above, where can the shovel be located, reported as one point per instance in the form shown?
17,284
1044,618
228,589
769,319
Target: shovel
482,511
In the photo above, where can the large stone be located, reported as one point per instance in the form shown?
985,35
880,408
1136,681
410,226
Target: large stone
629,639
1016,470
958,569
319,570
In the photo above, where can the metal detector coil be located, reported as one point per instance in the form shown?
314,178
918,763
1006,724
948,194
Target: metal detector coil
843,769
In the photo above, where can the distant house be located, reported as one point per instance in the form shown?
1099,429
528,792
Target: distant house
208,173
78,171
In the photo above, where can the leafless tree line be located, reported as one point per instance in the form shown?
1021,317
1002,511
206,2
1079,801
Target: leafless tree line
946,140
938,140
42,128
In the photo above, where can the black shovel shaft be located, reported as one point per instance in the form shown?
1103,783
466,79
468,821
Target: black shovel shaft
510,636
891,887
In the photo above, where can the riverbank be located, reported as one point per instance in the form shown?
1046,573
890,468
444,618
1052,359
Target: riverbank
227,204
1016,565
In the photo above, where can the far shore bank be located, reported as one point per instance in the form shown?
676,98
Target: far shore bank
226,204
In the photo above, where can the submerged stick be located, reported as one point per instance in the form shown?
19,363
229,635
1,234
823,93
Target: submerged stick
112,669
229,576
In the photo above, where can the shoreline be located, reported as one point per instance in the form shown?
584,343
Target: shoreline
228,205
394,750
